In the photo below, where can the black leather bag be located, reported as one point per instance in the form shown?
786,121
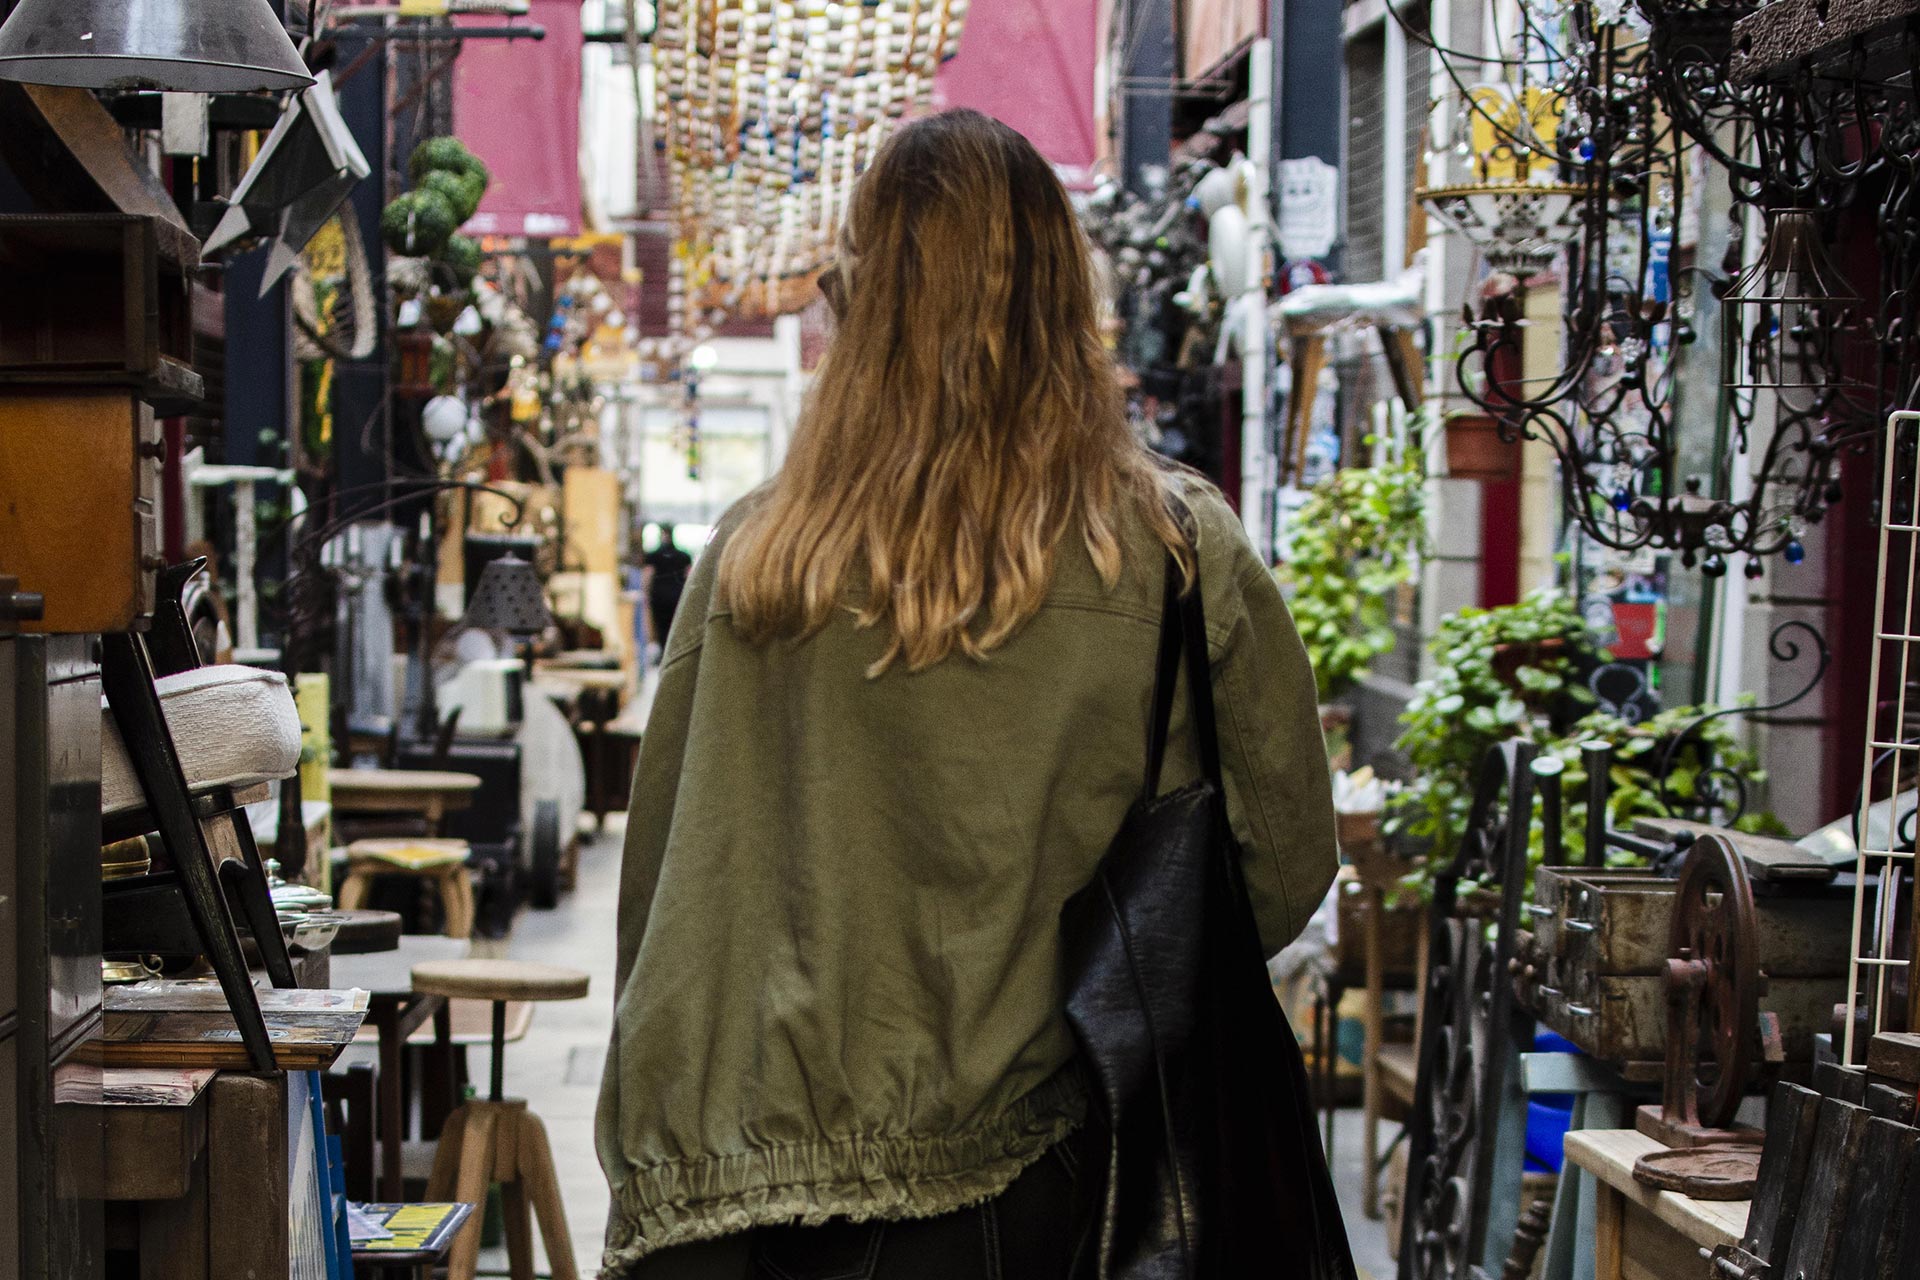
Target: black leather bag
1214,1165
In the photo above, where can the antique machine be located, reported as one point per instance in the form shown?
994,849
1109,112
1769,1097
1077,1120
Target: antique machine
1708,984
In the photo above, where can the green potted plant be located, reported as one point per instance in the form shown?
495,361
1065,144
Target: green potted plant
1497,674
1353,543
1640,753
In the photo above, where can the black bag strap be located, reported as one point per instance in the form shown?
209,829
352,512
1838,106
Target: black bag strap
1165,677
1183,626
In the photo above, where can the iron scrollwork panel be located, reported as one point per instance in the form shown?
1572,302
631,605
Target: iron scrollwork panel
1468,1123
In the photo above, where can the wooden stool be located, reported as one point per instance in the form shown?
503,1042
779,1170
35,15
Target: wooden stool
442,861
499,1140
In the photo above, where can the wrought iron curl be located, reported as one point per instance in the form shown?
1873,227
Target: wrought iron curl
1715,782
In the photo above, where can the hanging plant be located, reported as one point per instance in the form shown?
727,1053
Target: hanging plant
461,193
448,155
417,223
1355,541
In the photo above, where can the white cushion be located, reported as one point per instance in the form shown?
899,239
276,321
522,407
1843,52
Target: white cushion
232,726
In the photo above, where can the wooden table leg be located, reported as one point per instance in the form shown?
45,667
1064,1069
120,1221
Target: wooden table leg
385,1016
1609,1221
535,1159
1373,904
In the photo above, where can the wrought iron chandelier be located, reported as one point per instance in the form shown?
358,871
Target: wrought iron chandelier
1603,112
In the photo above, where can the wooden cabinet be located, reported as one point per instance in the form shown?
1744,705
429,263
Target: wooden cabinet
80,475
50,1228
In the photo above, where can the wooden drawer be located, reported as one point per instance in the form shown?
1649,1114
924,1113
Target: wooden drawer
79,471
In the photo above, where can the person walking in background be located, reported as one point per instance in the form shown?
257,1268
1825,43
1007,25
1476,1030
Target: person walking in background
902,717
667,569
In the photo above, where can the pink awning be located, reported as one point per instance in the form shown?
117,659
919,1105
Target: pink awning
1029,64
516,103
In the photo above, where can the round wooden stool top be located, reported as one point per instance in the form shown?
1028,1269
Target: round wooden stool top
364,932
477,979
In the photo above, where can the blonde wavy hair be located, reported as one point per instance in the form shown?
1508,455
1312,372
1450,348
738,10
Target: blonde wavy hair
965,419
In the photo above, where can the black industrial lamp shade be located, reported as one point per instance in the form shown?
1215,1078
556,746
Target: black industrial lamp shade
508,598
181,46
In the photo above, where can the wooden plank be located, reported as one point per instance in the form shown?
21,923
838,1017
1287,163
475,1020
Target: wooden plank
1849,1084
1891,1103
247,1173
1608,1226
1791,1114
1905,1253
1876,1208
1652,1250
1895,1056
151,1150
175,1233
1609,1155
1837,1139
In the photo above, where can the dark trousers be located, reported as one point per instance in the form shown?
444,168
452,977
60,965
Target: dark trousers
1034,1230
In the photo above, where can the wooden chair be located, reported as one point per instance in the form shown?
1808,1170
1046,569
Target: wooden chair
215,871
497,1139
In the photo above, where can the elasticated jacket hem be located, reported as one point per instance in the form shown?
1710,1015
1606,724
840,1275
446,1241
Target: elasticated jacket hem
885,1177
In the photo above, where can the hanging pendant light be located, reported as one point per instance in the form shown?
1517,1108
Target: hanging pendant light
180,46
1792,308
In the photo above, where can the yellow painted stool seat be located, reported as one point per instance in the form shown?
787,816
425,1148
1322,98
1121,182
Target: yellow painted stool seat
442,861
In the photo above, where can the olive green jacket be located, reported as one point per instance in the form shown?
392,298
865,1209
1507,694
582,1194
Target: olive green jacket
838,986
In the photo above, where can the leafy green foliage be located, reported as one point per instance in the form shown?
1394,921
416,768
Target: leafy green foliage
458,191
1355,541
448,154
417,223
1640,751
1495,673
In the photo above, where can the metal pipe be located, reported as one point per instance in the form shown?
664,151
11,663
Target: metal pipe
498,1070
1597,755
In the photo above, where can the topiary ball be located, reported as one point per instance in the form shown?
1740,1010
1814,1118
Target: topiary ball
448,154
458,190
418,223
463,254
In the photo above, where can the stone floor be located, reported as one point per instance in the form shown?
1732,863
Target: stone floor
557,1067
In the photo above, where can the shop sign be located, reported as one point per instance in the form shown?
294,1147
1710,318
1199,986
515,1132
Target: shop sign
1309,207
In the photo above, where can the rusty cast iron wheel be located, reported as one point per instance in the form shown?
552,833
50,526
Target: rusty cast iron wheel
1714,925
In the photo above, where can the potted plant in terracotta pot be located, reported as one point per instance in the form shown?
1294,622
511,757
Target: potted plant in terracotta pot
1477,449
1496,674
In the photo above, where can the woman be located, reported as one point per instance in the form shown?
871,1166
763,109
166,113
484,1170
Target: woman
901,714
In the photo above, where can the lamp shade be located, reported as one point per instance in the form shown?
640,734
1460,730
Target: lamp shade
509,598
181,46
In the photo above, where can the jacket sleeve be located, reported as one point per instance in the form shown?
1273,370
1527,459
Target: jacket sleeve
1279,794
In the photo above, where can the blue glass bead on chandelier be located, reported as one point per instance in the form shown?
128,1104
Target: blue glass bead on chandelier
1622,500
1586,148
1794,551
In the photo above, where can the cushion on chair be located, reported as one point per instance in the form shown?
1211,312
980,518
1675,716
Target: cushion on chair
409,855
232,726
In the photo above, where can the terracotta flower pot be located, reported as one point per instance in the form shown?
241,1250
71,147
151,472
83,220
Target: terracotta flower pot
1475,450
